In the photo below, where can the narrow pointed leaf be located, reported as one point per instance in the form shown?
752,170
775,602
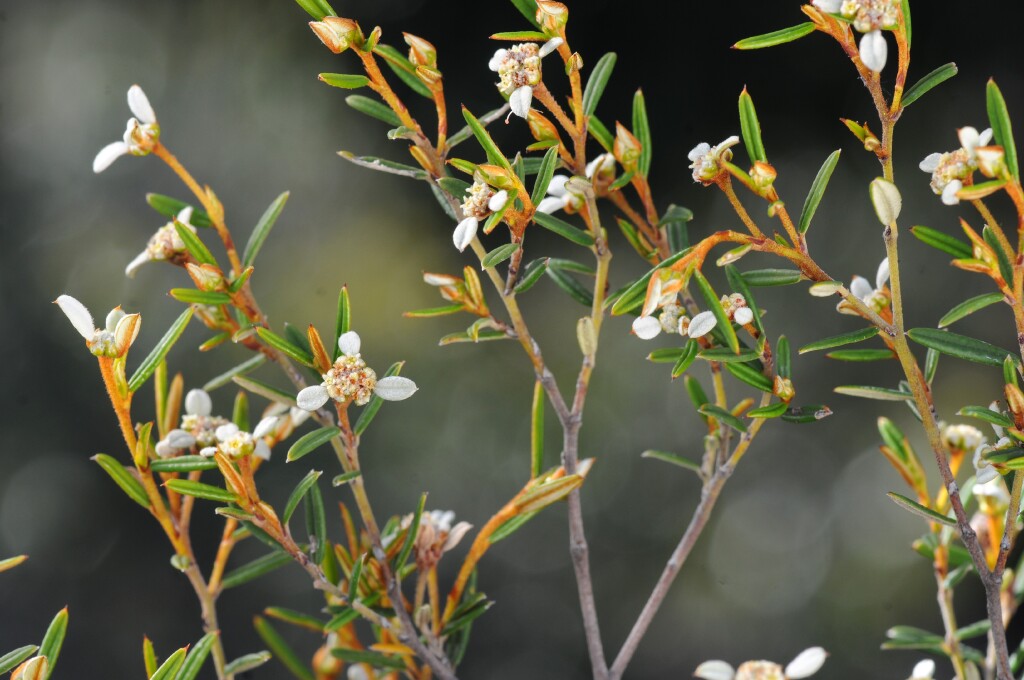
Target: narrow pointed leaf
494,154
281,649
384,165
1002,130
761,278
544,175
402,68
750,128
959,346
840,340
725,355
149,364
264,390
311,441
199,490
170,207
241,369
673,459
343,320
537,430
940,241
373,108
563,229
870,392
723,416
344,80
194,245
739,284
920,510
498,255
750,375
200,297
528,8
531,274
933,79
713,304
986,414
632,296
969,307
597,81
862,355
15,657
466,132
253,570
169,668
375,659
779,37
53,640
316,523
411,533
685,359
571,286
247,662
299,493
183,464
11,562
770,411
197,657
817,191
262,230
642,130
124,479
277,342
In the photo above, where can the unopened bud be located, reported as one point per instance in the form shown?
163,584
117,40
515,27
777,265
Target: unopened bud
541,128
421,52
574,65
337,34
783,389
1014,400
586,336
551,15
430,76
763,176
626,148
886,199
991,161
495,176
125,332
35,668
207,277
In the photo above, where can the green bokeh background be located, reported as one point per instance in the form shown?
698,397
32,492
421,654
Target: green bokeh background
804,548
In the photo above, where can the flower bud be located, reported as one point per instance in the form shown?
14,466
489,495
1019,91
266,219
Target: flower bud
586,336
421,52
207,277
886,199
626,148
337,34
125,332
763,176
991,161
541,128
1015,401
429,75
35,668
496,176
551,15
783,388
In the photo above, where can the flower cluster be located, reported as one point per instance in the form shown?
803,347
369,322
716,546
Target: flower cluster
480,201
113,340
199,428
672,320
350,380
736,309
436,536
165,245
707,160
949,170
140,136
869,17
806,664
560,197
518,67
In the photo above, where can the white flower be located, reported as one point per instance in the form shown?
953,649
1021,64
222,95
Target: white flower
646,327
198,402
198,421
962,437
498,201
603,165
874,50
141,134
706,160
876,298
743,315
869,17
558,197
266,426
806,663
436,535
984,471
175,441
479,202
519,70
714,670
116,336
350,380
165,244
950,169
236,443
465,232
701,324
923,670
830,6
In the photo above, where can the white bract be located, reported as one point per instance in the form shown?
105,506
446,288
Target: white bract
923,670
702,324
806,664
350,380
560,197
984,471
236,443
876,298
519,70
140,136
165,244
869,17
706,160
479,202
113,340
950,169
886,198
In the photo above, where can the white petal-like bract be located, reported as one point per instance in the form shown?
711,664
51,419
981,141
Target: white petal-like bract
702,324
551,204
107,155
924,670
133,266
349,343
265,426
225,432
496,60
261,450
860,288
198,403
550,46
700,150
395,388
138,102
930,162
714,670
78,315
806,664
497,201
874,50
887,200
882,275
830,6
646,327
743,315
520,99
465,232
949,194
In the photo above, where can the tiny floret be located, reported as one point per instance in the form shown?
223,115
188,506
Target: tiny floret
806,663
702,324
140,136
350,380
923,670
165,245
949,170
518,68
114,339
714,670
707,160
646,327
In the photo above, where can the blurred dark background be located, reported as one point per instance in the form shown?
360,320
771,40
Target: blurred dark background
804,548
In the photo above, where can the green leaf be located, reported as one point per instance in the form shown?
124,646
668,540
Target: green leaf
666,355
537,430
373,108
345,478
673,459
563,229
840,340
685,359
15,657
969,307
1005,270
311,441
931,365
674,220
53,640
241,369
469,610
959,346
411,533
531,274
384,165
466,132
770,411
431,312
870,392
375,659
600,133
818,187
247,662
183,464
696,393
264,390
498,255
861,355
170,207
149,364
713,304
520,36
194,245
200,490
986,414
345,80
761,278
494,154
750,128
263,227
343,320
281,649
571,286
933,79
253,570
316,522
200,297
947,244
369,411
297,495
750,375
277,342
783,358
725,355
402,68
124,479
197,657
511,526
597,81
317,9
920,510
1002,130
528,8
544,175
905,8
642,130
779,37
723,416
169,668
